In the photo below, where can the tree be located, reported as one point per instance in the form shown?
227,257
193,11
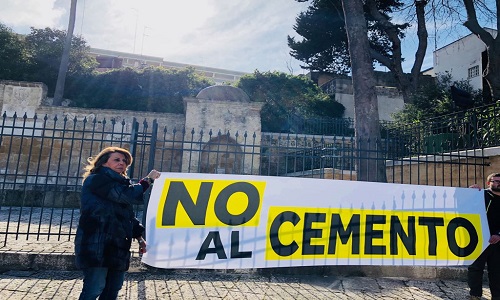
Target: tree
149,89
435,100
285,94
45,46
15,61
324,41
492,72
164,89
366,121
324,18
63,67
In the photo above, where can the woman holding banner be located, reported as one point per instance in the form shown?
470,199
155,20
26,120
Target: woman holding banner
107,223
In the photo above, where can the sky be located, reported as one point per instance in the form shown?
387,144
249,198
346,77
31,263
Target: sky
228,34
238,35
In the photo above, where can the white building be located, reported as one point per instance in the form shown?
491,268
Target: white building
464,59
389,98
114,59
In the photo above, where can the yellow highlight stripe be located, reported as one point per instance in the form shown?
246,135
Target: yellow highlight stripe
233,201
306,233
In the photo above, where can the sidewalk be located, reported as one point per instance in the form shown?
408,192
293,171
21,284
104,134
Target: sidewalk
44,270
36,268
43,254
216,285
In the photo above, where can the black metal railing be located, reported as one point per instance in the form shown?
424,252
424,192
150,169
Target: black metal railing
466,130
42,159
478,127
320,126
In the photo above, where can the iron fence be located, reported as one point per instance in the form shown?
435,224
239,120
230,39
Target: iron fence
321,126
474,128
42,159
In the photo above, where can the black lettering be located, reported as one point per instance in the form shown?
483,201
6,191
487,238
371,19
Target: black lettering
218,247
177,193
409,240
337,228
310,233
371,234
223,198
452,243
235,247
431,223
278,247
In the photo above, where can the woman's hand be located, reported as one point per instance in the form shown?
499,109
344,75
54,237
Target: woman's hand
154,174
142,245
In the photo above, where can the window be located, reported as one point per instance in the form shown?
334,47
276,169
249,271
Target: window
473,72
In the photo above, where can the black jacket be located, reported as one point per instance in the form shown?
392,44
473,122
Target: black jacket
492,203
107,222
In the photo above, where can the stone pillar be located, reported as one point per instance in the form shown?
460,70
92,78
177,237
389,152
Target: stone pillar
229,110
21,97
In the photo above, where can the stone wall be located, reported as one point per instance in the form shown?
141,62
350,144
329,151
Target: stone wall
458,169
55,144
389,99
429,171
57,140
21,97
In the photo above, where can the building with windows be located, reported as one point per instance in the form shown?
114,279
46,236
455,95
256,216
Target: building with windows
108,59
463,59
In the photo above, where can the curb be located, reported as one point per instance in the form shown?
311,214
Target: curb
415,272
17,260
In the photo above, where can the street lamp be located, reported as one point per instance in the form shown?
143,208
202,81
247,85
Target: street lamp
143,62
144,35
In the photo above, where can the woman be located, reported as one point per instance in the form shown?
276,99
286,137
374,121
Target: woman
107,223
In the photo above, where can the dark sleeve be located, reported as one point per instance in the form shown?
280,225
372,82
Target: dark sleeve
138,228
145,184
492,205
112,190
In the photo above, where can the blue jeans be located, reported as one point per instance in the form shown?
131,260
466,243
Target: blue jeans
101,282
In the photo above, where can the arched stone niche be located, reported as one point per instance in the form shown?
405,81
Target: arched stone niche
221,155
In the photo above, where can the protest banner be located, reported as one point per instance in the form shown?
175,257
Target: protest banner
211,221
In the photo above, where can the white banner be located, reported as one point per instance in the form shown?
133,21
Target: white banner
211,221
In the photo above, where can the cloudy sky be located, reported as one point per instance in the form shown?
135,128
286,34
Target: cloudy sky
239,35
235,35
